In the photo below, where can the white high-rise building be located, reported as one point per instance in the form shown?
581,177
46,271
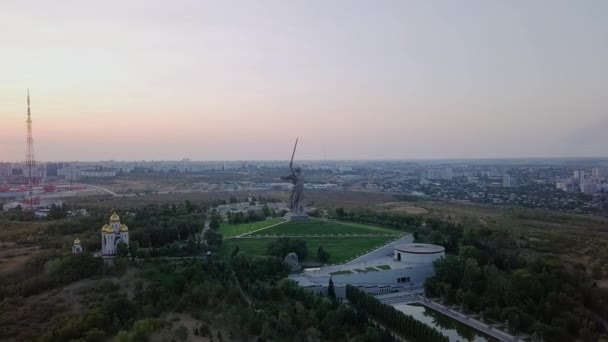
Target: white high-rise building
590,188
567,184
599,172
446,174
579,176
509,181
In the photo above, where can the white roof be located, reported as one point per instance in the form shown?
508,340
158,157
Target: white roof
420,248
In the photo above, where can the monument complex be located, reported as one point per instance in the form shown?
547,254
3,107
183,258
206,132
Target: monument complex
296,199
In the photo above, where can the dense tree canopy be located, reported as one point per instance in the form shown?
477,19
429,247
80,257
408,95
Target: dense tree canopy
537,295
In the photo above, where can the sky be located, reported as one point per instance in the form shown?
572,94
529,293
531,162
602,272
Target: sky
240,80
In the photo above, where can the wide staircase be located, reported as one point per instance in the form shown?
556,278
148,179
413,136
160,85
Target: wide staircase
399,298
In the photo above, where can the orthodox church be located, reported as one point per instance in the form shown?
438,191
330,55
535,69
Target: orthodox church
77,247
111,235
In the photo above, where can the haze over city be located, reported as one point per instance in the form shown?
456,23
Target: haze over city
353,79
291,170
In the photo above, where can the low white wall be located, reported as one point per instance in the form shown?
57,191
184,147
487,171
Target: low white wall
416,258
417,276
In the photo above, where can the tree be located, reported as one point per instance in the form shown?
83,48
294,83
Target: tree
58,212
188,206
122,249
213,238
283,246
142,237
331,291
313,335
95,335
191,244
214,224
322,254
391,318
133,248
266,210
143,254
181,333
235,251
340,212
233,200
470,273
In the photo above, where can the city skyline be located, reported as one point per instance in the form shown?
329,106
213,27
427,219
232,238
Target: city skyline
205,81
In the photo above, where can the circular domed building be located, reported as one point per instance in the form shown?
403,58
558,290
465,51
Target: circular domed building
418,253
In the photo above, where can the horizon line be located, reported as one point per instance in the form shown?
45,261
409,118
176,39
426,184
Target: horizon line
320,160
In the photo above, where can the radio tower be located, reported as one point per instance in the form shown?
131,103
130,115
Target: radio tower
29,157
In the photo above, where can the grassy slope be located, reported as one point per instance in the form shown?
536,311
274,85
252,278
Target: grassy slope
324,228
341,249
232,230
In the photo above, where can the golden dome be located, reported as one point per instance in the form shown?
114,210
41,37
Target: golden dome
124,228
114,218
77,241
106,229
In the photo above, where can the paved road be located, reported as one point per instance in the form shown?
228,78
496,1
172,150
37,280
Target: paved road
103,189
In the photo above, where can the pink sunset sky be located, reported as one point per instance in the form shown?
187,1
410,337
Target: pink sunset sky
226,80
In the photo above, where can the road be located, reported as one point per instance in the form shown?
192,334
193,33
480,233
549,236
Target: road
103,189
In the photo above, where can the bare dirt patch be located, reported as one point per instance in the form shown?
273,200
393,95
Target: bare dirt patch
190,323
13,257
76,296
403,207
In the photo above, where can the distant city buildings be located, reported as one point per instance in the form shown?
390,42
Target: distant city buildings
579,175
68,173
542,184
509,181
567,185
98,173
580,182
590,188
446,174
599,172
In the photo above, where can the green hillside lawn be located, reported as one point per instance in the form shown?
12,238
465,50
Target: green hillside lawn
232,230
316,227
342,249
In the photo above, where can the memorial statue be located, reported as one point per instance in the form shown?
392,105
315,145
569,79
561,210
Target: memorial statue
296,199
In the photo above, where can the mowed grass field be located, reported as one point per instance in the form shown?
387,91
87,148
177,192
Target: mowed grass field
343,240
232,230
342,249
317,227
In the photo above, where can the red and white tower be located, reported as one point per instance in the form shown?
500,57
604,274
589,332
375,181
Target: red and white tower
30,162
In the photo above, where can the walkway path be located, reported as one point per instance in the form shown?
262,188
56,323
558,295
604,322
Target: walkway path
238,286
383,251
249,236
462,318
103,189
257,230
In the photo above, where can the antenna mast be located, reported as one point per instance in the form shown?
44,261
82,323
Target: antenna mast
29,157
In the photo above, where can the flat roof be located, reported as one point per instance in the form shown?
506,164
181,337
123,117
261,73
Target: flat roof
419,248
384,261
